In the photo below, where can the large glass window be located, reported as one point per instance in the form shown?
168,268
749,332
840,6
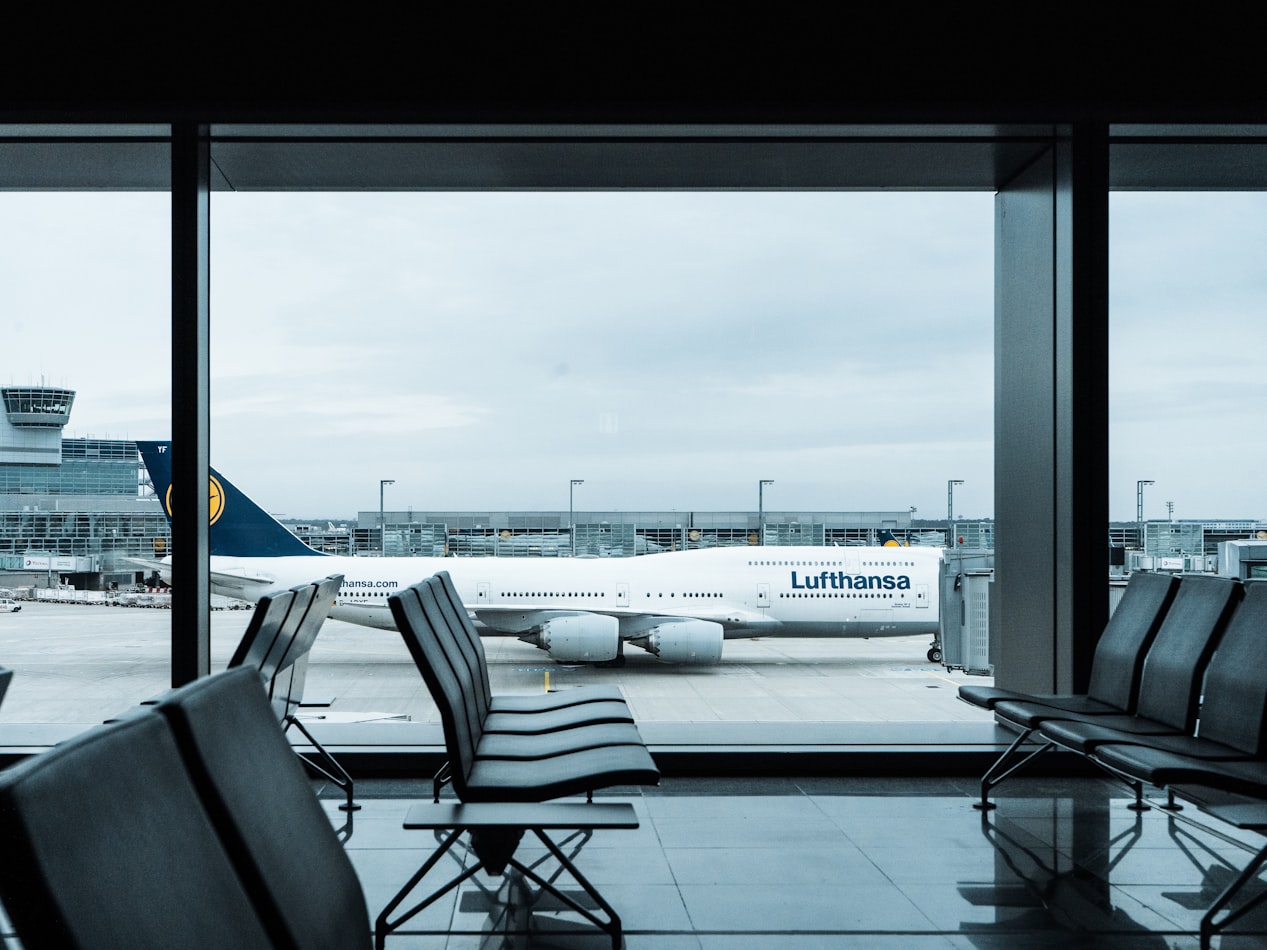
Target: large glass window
656,371
1187,295
585,358
85,289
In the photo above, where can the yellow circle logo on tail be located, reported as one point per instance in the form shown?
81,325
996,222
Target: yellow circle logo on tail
217,500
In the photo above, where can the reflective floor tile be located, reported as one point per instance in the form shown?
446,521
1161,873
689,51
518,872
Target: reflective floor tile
738,908
839,865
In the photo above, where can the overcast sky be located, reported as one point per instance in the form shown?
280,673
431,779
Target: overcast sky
482,349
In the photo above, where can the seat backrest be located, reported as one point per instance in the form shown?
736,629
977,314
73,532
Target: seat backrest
286,689
421,625
263,807
1170,685
1234,704
1119,654
277,650
467,639
309,622
281,632
106,844
262,629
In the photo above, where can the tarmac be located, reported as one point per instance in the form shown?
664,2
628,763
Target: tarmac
81,664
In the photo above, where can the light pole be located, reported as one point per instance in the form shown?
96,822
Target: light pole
572,527
761,508
1139,509
382,525
950,510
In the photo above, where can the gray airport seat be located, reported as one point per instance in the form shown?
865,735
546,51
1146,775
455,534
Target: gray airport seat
106,844
1233,708
280,634
466,652
1119,655
1228,754
6,675
267,620
264,810
599,759
1230,744
1170,677
517,736
504,703
548,731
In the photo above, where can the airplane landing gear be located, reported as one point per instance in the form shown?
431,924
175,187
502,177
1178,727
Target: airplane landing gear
617,661
934,652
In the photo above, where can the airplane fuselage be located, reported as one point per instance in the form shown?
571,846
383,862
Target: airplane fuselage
679,606
750,591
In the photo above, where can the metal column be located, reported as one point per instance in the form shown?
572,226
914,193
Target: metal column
1050,599
190,505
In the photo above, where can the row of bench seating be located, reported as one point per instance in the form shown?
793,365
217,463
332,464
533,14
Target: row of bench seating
1177,701
512,749
510,758
187,822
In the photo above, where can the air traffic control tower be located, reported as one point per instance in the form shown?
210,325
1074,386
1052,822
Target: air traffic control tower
31,428
72,511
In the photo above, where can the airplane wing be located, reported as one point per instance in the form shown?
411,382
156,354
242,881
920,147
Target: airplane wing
241,584
157,566
244,586
516,619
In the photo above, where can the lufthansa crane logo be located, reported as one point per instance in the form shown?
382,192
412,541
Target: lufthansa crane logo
217,500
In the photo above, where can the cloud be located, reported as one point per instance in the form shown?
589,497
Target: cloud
483,347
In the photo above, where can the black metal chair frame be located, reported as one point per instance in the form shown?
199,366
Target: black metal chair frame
496,828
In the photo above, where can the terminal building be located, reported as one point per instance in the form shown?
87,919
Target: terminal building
72,511
598,533
76,512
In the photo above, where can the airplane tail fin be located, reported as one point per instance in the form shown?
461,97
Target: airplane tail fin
889,540
239,527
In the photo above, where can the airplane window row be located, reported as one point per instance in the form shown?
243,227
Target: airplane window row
841,594
549,594
828,563
697,596
796,563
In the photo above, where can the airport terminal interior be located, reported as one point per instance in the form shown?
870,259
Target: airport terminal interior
786,834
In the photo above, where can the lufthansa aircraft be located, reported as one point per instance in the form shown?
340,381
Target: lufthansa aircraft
679,606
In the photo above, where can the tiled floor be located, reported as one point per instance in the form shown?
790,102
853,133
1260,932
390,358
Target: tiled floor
837,863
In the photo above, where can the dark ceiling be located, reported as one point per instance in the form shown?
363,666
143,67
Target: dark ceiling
908,97
348,158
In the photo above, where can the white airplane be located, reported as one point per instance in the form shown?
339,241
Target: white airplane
679,606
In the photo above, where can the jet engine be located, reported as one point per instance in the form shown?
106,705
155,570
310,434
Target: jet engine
578,638
683,641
